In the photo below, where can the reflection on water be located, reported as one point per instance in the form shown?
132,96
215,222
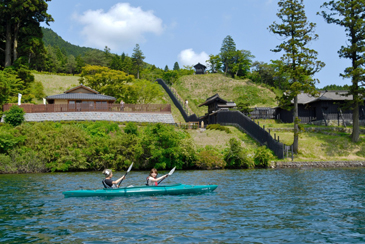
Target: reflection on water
252,206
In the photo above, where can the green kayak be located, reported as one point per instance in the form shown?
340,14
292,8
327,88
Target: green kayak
176,189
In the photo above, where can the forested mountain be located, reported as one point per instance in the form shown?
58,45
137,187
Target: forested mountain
51,38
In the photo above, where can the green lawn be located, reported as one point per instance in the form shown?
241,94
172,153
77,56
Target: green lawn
56,84
220,139
322,143
197,88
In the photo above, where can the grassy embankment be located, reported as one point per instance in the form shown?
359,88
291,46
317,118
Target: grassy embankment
327,144
318,143
56,84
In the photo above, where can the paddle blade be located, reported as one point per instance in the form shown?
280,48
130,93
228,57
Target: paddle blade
130,167
172,171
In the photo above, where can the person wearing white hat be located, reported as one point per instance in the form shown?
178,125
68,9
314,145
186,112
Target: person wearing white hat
108,182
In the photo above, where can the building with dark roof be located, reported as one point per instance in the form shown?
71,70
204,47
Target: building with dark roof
200,69
324,107
81,96
214,103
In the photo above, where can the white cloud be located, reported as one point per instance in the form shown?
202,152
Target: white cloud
121,27
189,57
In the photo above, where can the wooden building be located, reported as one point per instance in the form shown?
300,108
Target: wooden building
81,97
327,107
215,104
200,69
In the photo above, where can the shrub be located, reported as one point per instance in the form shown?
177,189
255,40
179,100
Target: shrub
218,127
131,128
237,156
22,160
210,159
14,116
163,147
262,157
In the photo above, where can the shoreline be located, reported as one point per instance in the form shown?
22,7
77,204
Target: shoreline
318,164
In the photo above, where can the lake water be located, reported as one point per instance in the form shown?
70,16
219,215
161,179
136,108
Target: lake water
249,206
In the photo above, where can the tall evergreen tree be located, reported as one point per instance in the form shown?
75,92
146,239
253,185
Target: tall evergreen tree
228,52
138,58
166,68
17,16
301,62
176,66
350,14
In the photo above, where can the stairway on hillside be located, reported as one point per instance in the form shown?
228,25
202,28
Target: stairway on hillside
186,107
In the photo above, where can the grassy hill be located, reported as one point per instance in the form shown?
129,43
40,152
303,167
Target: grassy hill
56,84
197,88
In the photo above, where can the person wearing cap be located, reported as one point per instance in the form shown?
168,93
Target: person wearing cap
108,182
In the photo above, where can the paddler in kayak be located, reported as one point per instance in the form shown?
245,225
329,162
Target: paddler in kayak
108,182
152,179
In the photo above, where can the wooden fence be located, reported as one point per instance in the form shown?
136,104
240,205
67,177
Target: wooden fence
126,108
189,125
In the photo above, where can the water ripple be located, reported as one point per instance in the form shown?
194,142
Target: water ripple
249,206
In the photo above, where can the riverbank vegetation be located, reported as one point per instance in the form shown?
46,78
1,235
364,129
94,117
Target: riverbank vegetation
77,146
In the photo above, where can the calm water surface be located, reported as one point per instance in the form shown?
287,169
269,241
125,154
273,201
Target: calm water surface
249,206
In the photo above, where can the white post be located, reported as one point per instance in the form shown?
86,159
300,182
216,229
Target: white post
19,99
44,101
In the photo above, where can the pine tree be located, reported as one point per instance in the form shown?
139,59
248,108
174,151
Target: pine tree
166,68
176,66
351,15
228,52
138,58
300,61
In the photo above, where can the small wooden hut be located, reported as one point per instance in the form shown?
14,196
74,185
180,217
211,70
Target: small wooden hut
200,69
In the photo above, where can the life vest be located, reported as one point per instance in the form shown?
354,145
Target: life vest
108,186
148,181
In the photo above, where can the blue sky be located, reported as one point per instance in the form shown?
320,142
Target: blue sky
188,31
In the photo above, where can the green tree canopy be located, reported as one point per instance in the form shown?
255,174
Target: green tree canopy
300,61
214,63
21,20
147,91
105,80
350,14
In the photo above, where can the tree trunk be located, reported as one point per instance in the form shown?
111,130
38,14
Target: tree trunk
8,45
355,136
296,127
15,46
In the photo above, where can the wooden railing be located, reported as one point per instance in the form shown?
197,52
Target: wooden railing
126,108
189,125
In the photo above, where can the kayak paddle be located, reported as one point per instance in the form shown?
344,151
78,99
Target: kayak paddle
170,173
129,169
